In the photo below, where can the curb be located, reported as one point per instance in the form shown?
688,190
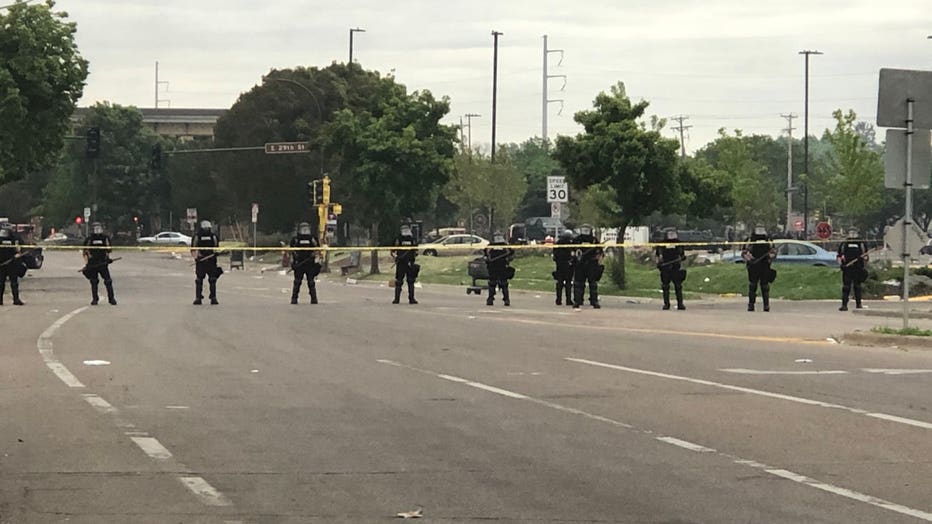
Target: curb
861,338
891,313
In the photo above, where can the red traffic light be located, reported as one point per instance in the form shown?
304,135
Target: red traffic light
135,219
78,220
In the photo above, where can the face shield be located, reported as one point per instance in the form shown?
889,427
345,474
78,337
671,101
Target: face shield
498,238
4,232
304,228
205,225
98,229
406,231
853,233
672,235
760,231
585,229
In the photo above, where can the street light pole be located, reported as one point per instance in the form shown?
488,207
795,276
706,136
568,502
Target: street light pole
806,53
320,113
351,31
469,117
495,35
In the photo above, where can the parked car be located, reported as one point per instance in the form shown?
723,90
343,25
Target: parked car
169,238
454,245
63,239
793,252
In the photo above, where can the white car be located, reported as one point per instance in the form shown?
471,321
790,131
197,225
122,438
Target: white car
168,238
454,245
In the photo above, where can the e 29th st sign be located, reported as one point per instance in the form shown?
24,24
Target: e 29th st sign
279,148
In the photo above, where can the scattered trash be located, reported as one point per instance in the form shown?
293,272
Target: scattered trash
471,317
416,514
258,277
253,370
707,279
803,361
283,273
418,285
53,311
351,281
833,340
536,296
891,282
286,290
632,301
96,363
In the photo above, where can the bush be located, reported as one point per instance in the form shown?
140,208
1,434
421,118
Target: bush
616,270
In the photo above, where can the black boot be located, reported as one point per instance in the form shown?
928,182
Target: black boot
213,291
411,293
857,297
14,287
505,298
397,292
312,287
95,297
111,298
2,290
569,293
198,291
752,296
679,298
666,298
578,291
295,289
559,293
765,294
844,299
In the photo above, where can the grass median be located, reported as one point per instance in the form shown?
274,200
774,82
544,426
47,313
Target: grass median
533,272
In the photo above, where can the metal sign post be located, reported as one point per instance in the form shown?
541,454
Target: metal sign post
255,220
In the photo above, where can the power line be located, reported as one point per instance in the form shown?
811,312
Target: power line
682,129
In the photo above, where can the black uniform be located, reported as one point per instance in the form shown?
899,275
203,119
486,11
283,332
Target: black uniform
588,269
670,271
205,259
565,260
11,267
304,264
497,261
760,249
97,266
851,252
405,267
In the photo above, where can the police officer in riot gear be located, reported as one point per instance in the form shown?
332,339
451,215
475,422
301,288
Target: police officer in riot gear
588,268
497,260
758,253
203,249
97,261
852,257
565,259
304,262
669,257
11,267
405,267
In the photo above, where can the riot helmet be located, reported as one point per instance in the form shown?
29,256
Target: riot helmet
585,230
406,230
498,237
853,233
304,228
760,230
671,234
205,225
97,228
5,231
567,234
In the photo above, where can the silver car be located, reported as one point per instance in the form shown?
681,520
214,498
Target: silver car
793,252
167,238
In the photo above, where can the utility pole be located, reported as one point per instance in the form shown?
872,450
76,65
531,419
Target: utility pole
157,84
789,170
351,31
682,129
546,101
495,35
469,117
806,147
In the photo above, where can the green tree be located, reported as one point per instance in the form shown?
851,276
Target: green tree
121,182
497,188
854,172
41,79
616,148
534,160
753,194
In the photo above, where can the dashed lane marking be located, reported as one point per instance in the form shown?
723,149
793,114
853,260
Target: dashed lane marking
683,444
204,491
44,345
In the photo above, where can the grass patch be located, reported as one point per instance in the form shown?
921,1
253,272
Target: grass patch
533,272
910,331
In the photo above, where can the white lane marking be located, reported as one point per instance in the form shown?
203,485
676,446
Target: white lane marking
854,495
486,387
779,396
98,403
204,491
152,447
44,345
896,371
742,371
782,473
686,445
901,420
177,407
96,362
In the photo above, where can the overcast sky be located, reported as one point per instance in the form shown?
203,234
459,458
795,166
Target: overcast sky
724,63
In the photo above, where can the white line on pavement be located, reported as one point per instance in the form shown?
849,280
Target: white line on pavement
98,403
896,371
44,345
742,371
779,396
686,445
204,491
782,473
152,447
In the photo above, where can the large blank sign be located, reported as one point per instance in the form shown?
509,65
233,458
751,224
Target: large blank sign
896,87
895,159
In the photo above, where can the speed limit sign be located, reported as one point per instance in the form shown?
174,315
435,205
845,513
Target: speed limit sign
557,190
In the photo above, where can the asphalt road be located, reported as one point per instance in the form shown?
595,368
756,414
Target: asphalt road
354,410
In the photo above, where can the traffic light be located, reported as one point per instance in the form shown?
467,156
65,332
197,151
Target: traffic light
78,220
92,142
156,161
136,220
313,197
326,190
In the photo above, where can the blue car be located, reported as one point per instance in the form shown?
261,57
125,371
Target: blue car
793,252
